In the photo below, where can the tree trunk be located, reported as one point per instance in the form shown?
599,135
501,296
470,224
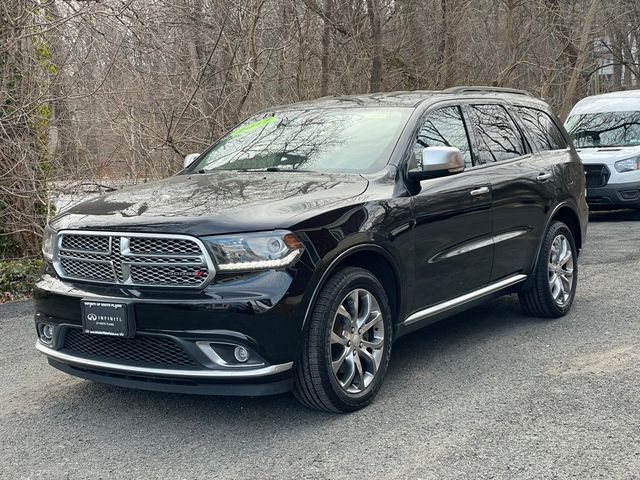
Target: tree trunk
326,48
628,61
570,92
617,62
377,63
447,42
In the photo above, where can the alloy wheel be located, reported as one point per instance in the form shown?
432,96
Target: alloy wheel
561,270
357,341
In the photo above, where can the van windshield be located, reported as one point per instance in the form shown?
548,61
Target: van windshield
605,129
354,140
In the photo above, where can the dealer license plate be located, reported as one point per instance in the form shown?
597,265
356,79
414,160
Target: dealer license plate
107,318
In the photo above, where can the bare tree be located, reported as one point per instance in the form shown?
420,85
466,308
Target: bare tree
119,90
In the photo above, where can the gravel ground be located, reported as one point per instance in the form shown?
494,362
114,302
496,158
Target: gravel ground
487,394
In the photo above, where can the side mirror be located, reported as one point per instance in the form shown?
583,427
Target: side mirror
189,159
439,161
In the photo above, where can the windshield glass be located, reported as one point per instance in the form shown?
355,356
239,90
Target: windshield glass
605,129
354,140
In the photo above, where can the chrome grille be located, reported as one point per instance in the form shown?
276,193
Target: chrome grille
117,259
185,275
163,246
87,269
135,259
86,243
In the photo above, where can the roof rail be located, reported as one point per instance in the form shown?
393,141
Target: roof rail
463,89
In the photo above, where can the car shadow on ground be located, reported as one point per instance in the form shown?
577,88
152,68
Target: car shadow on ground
411,354
614,215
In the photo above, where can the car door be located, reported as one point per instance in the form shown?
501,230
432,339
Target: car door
452,214
521,183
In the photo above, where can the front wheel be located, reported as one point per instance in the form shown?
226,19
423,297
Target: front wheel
347,344
555,276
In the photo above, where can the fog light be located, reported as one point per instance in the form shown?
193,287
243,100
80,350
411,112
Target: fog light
630,194
47,333
241,354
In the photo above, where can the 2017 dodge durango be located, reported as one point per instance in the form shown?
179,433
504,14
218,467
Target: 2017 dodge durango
298,247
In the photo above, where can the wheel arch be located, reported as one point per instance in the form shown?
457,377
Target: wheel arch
373,258
570,218
567,214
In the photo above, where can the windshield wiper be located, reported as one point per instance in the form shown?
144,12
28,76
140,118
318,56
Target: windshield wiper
274,169
293,170
267,169
609,146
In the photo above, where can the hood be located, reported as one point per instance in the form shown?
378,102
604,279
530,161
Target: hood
607,155
214,203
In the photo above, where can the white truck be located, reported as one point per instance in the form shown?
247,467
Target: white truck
606,132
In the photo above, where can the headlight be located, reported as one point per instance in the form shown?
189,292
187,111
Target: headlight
628,165
48,241
255,251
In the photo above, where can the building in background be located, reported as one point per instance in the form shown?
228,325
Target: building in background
616,64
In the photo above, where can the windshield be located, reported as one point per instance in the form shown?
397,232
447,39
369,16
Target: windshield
354,140
605,129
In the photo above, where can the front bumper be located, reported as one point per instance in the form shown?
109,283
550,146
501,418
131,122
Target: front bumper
180,337
614,195
269,380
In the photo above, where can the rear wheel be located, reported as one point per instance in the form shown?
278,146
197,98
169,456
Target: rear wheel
347,344
553,286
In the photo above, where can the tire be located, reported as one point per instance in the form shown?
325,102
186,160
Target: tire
329,357
551,291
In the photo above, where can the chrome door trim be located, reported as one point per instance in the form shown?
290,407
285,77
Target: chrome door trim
469,297
476,244
164,372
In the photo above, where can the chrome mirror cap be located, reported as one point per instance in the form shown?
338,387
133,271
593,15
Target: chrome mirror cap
189,159
438,159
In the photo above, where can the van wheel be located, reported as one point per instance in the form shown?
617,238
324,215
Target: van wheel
347,344
555,276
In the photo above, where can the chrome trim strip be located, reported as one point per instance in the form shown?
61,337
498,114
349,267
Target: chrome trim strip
235,373
476,244
509,235
456,302
462,249
57,246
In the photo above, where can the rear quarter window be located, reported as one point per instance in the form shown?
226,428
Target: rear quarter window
542,130
497,138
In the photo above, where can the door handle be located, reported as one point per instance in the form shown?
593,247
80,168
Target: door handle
479,191
543,177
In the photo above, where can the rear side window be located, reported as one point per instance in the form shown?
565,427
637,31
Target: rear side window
498,137
443,127
545,135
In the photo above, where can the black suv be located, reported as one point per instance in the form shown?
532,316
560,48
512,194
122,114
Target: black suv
292,252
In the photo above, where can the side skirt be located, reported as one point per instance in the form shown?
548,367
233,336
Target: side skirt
437,312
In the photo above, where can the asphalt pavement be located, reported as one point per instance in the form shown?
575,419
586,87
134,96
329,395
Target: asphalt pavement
490,393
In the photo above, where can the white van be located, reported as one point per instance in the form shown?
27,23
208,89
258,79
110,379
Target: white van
606,132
